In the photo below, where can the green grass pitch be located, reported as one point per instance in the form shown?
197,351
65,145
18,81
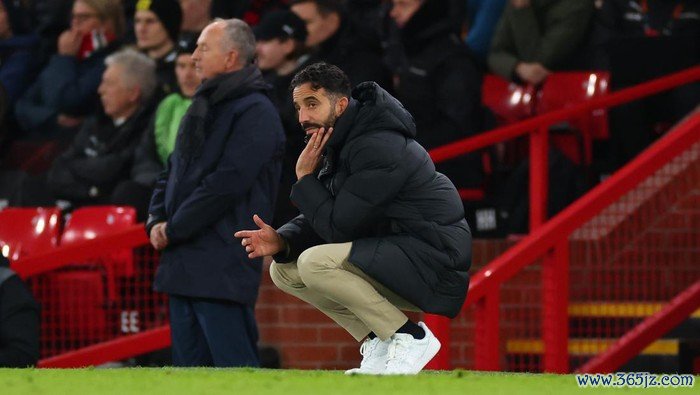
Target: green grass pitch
172,381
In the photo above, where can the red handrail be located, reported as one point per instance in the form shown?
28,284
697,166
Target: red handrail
554,234
470,144
536,244
113,350
633,342
548,239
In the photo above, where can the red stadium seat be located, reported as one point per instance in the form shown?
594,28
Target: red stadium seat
87,223
90,222
25,231
509,101
567,89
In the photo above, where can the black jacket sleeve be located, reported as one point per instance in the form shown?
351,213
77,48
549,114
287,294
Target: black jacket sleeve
19,325
299,236
60,178
156,209
147,165
375,178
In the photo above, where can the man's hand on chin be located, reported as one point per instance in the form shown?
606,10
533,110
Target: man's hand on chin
310,157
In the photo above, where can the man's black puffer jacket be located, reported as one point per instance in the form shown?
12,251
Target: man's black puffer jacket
379,189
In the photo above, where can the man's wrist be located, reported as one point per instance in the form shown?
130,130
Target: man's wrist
284,246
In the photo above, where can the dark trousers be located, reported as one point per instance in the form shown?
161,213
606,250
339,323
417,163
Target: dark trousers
208,332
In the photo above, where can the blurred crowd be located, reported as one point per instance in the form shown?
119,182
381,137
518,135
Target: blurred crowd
106,82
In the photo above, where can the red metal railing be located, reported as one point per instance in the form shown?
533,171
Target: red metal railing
549,240
112,350
643,334
91,333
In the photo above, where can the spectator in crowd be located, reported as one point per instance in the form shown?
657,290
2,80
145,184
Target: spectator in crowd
66,90
129,7
439,82
157,27
17,44
281,53
230,9
102,152
370,14
634,33
19,321
651,18
482,18
158,142
226,166
250,11
379,230
4,128
100,155
51,18
196,15
535,37
336,40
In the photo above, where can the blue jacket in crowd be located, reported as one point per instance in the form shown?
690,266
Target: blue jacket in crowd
16,64
65,86
483,16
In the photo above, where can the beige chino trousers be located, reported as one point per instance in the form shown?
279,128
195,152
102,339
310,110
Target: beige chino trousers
323,277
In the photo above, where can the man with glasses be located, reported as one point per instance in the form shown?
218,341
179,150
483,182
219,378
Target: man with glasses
66,89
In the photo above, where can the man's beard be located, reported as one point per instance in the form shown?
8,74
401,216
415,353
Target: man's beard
328,123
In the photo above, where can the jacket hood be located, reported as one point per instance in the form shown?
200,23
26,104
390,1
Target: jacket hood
372,109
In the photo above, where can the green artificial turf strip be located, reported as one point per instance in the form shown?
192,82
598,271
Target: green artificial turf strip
171,381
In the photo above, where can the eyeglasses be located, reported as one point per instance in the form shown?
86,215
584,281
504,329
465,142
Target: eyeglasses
82,17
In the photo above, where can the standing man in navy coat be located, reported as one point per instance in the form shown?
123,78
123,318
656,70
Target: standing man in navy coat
226,166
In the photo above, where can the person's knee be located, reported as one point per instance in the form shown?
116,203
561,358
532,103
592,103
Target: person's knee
283,277
313,263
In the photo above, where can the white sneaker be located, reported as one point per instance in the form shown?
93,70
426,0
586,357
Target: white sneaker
408,355
374,353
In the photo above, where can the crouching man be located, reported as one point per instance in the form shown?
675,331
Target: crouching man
380,230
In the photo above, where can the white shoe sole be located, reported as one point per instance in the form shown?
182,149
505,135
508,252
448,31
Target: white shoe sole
358,371
430,352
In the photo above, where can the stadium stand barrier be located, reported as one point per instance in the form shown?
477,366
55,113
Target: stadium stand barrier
543,256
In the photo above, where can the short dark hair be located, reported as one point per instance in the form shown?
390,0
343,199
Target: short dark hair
323,75
324,7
